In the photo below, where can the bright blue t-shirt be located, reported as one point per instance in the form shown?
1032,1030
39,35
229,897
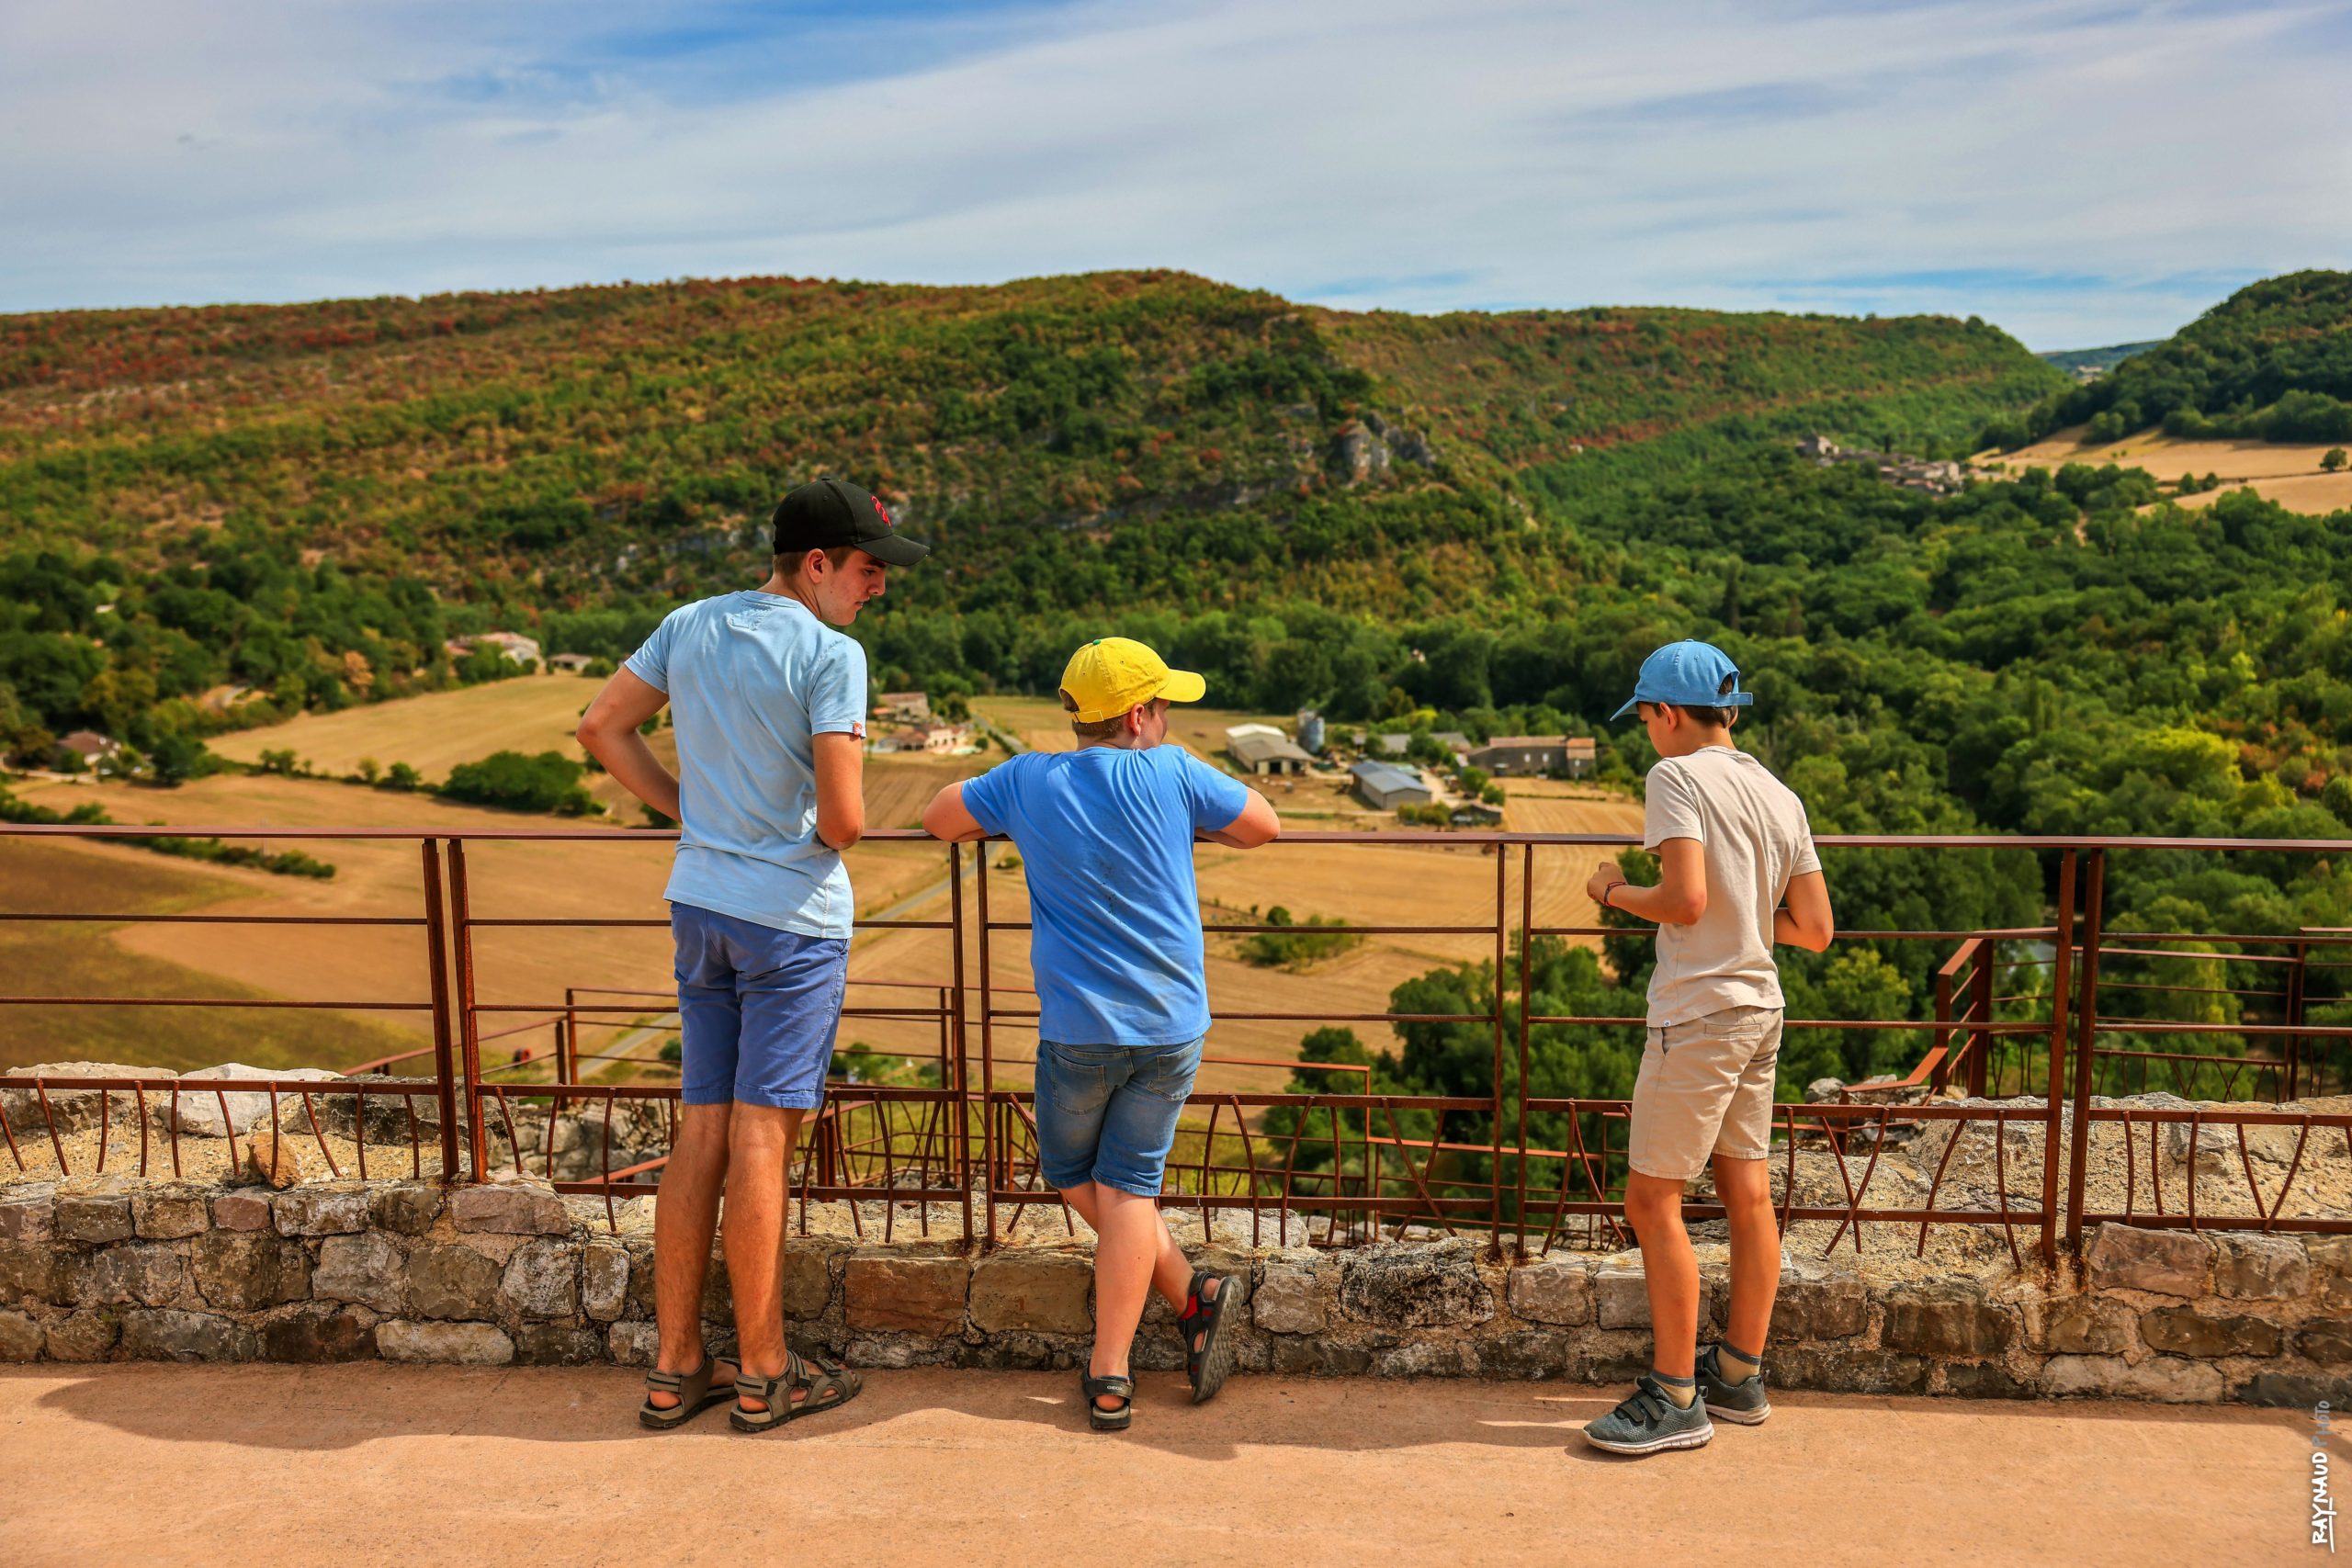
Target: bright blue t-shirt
752,677
1106,837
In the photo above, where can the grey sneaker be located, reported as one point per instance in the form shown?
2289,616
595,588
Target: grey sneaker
1649,1422
1741,1402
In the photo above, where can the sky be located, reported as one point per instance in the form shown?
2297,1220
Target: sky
2080,173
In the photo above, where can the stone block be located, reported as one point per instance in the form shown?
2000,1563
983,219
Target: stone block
2167,1378
2097,1325
407,1207
1289,1300
510,1208
640,1278
2186,1331
83,1337
2327,1340
1839,1369
1986,1380
276,1163
164,1334
1949,1321
28,1211
28,1273
542,1279
808,1280
366,1268
2170,1263
911,1295
1446,1358
243,1210
1528,1353
1621,1292
321,1211
2286,1391
1297,1356
603,1280
20,1337
1415,1287
1045,1293
2259,1267
248,1271
93,1217
170,1212
557,1344
318,1335
1830,1306
632,1344
210,1114
465,1344
2331,1258
148,1273
447,1279
1552,1289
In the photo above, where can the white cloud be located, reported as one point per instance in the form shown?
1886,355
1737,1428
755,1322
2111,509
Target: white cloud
2078,172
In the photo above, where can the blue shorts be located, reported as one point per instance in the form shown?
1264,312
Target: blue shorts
757,1007
1107,1113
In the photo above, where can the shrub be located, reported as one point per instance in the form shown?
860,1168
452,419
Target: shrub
508,779
1299,946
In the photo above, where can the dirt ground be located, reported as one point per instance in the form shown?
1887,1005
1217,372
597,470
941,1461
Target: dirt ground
427,1465
2287,472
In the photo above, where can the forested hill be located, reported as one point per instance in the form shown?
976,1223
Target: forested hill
2273,362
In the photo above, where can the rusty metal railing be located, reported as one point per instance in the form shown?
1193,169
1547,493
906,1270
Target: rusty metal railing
962,1153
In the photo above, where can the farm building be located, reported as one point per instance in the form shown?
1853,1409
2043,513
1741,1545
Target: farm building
935,739
912,707
518,649
90,747
1528,754
1263,749
570,663
1386,786
1452,740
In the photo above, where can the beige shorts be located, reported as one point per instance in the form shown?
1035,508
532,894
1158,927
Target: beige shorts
1705,1088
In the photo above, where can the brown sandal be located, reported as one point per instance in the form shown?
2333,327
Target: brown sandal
825,1384
694,1393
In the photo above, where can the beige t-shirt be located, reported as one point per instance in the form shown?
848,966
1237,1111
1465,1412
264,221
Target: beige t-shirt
1753,830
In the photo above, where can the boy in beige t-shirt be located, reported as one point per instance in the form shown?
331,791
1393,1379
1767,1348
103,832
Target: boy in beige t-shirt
1733,844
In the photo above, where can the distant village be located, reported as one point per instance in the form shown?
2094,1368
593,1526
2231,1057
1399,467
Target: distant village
1904,472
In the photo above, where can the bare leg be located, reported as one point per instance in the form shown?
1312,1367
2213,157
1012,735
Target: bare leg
1744,1187
760,1139
1669,1268
1132,1251
685,1210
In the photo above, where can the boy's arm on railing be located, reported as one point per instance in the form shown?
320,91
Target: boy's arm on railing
1257,825
1679,897
1804,918
608,732
947,818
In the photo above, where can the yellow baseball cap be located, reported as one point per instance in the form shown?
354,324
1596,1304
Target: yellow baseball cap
1113,675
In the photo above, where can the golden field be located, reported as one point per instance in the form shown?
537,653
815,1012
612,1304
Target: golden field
2287,473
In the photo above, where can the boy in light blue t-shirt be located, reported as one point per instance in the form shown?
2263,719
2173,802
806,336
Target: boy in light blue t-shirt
768,703
1105,834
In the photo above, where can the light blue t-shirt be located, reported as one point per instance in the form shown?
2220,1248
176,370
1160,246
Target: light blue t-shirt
1106,837
752,677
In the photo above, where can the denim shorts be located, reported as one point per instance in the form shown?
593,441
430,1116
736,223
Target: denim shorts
1107,1113
757,1007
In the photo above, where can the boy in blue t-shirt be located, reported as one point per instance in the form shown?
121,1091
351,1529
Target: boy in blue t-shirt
1105,834
768,704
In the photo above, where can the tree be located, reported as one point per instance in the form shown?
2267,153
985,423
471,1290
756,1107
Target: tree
546,781
2333,459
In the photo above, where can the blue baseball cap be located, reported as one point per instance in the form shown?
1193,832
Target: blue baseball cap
1687,674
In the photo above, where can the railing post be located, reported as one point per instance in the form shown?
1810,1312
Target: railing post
1495,1118
987,1043
960,1077
1939,1038
1980,1010
1526,1005
468,1027
2060,977
2297,979
2086,1036
437,949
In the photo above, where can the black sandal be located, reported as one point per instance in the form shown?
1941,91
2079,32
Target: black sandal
825,1384
692,1389
1121,1389
1207,1365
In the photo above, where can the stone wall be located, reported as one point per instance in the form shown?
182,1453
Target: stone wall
103,1269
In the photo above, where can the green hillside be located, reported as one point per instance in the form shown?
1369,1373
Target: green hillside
2273,362
308,500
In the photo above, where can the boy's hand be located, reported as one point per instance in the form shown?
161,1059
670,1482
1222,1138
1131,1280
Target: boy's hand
1605,876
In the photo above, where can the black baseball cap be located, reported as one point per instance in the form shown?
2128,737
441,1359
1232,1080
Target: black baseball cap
827,511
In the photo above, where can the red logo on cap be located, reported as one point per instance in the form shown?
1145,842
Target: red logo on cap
884,515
